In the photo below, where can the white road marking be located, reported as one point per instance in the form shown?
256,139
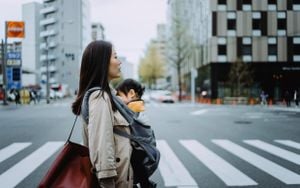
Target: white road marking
230,175
282,153
171,168
267,166
289,143
12,149
22,169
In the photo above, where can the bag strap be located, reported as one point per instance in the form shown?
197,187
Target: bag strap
123,133
74,123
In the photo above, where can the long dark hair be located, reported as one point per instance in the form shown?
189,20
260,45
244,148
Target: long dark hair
94,71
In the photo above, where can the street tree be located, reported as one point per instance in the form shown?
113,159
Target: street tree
179,49
152,66
240,76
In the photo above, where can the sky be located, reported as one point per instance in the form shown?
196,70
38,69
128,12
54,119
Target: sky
129,24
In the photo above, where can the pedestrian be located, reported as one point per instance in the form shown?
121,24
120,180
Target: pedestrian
296,98
263,97
17,94
32,95
109,152
287,98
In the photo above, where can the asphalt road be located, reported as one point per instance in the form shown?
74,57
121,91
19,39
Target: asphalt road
201,145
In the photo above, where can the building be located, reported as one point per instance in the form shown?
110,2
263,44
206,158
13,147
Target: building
127,68
97,31
65,32
31,43
263,33
160,43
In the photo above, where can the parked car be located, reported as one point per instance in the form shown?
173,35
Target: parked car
164,96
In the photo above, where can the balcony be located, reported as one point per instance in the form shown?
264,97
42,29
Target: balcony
52,68
47,21
50,57
48,33
47,10
51,44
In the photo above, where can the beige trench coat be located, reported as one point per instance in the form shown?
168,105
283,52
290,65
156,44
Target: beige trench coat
109,153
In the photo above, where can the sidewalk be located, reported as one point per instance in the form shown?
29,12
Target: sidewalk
285,108
13,106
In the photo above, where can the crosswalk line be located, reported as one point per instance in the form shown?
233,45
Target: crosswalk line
225,171
267,166
25,167
12,149
199,112
282,153
289,143
172,170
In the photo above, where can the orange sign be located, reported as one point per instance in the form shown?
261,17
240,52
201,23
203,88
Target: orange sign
15,29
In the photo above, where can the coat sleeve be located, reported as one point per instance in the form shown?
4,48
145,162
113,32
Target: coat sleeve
100,136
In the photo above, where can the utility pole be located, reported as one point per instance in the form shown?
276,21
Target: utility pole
47,72
194,75
4,52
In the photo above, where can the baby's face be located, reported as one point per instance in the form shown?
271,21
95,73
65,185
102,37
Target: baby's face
131,95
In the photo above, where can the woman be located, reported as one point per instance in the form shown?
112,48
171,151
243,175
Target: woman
109,153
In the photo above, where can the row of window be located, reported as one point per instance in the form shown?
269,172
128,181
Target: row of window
259,23
245,49
246,5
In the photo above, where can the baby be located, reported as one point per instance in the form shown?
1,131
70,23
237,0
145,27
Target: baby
131,92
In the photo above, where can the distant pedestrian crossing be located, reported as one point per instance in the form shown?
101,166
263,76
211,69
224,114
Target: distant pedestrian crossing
172,170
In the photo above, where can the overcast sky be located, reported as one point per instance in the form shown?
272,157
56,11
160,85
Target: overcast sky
129,24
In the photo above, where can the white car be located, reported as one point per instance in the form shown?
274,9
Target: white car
164,96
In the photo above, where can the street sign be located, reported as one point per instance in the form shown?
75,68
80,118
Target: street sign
13,55
13,59
15,29
13,76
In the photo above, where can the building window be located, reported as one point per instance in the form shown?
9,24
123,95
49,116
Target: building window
256,23
281,23
247,49
231,24
222,5
272,49
247,5
296,5
222,49
296,48
272,5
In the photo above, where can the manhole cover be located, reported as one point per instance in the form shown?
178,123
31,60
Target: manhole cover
243,122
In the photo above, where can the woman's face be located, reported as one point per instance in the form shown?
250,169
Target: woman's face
114,70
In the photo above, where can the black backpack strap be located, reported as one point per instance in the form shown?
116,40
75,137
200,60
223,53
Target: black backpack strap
124,110
122,133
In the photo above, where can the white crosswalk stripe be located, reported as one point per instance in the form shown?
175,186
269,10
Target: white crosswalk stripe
25,167
225,171
173,171
289,143
287,155
268,166
12,149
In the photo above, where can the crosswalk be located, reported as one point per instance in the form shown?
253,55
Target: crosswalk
172,170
